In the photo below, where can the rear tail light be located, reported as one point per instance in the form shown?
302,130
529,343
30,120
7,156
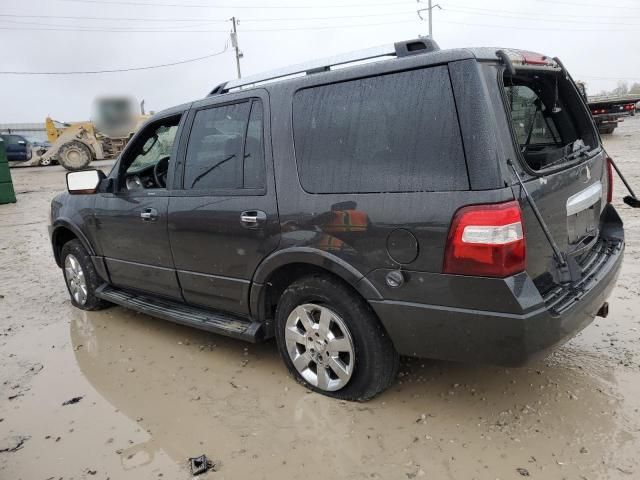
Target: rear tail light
486,240
609,181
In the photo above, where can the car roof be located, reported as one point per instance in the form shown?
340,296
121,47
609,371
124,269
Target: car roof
433,57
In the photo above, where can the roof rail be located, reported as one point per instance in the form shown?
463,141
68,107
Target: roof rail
398,49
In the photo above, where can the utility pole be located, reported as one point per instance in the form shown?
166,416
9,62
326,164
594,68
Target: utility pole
234,43
429,9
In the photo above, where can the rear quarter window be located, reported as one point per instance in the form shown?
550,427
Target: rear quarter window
392,133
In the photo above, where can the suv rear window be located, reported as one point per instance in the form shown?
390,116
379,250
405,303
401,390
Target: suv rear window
548,119
392,133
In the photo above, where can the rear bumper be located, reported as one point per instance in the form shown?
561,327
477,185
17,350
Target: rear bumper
607,118
462,334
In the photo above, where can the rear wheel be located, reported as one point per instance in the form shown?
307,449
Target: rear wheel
74,155
81,277
332,342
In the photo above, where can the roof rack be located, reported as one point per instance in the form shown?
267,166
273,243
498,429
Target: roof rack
398,49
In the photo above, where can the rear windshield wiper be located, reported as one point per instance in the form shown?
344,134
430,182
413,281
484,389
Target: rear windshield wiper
578,153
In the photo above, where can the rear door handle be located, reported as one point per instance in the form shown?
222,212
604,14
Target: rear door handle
149,214
252,218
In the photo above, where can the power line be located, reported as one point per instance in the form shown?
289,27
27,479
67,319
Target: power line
573,15
579,4
132,69
111,30
206,20
323,27
286,7
608,78
529,17
522,27
91,28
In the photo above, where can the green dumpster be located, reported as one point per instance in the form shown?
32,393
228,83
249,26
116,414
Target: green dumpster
7,194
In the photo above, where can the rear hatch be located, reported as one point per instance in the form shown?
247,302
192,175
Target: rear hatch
560,158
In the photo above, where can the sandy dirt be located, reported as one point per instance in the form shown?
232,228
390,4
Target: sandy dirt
154,393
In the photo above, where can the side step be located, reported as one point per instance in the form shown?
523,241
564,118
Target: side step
216,322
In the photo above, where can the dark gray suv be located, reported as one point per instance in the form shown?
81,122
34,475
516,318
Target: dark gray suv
450,204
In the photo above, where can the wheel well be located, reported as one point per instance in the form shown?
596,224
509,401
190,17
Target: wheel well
284,276
61,236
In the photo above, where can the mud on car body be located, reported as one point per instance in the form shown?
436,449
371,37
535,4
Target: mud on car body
450,204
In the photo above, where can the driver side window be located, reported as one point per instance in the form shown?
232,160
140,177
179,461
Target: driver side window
147,162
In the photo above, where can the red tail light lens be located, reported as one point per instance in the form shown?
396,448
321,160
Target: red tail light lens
487,241
609,181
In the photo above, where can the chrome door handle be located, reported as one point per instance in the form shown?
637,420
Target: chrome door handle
252,218
149,214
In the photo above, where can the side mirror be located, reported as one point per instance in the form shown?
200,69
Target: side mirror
84,182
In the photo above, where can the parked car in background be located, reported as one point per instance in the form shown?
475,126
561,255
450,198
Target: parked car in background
39,144
18,148
447,204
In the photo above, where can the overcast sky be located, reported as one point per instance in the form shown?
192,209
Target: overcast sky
597,41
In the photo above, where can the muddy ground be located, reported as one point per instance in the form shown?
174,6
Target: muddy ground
153,393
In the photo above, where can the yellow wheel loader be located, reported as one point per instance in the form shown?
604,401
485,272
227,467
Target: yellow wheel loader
75,145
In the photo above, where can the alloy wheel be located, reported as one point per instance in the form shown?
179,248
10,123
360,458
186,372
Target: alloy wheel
320,346
74,275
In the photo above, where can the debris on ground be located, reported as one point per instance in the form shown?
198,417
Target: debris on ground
202,464
523,471
14,444
72,401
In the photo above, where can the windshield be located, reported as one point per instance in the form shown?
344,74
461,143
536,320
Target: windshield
548,119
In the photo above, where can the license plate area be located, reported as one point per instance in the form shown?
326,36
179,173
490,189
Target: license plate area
583,213
583,224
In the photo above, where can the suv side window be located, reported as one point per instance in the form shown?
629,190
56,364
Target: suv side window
391,133
225,148
145,162
158,145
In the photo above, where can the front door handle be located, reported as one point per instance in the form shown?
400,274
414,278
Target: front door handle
252,218
149,214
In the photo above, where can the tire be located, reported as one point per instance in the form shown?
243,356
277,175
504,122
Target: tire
74,155
607,130
78,271
364,353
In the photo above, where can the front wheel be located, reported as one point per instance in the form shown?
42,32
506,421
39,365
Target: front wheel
332,342
74,155
81,277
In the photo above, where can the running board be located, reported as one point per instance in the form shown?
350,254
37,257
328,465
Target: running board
216,322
